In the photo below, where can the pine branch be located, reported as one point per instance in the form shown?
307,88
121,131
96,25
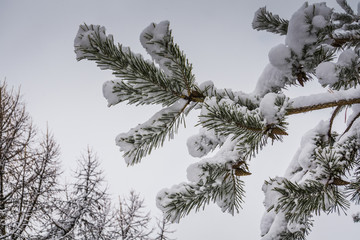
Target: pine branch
346,39
246,126
301,201
220,185
140,141
301,234
165,52
265,20
142,77
344,5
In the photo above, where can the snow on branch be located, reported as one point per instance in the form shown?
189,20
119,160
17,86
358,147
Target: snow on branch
141,140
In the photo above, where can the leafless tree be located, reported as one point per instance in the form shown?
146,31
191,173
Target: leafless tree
28,168
86,212
33,205
163,230
133,223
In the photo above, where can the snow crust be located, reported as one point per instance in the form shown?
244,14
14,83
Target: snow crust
153,39
128,141
279,57
321,98
83,38
326,73
271,79
298,34
204,142
196,175
268,109
108,92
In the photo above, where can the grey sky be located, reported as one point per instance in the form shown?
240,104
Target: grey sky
36,52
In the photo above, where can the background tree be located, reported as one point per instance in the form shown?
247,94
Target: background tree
34,205
323,176
86,211
28,169
132,222
163,230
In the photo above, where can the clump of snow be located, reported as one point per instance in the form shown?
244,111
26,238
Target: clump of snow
108,92
194,172
153,39
329,73
272,223
255,23
272,113
130,141
319,21
163,201
271,79
266,221
326,73
347,57
201,144
207,87
279,57
85,36
298,34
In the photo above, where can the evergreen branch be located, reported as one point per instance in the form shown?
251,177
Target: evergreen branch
169,56
353,189
140,141
312,59
346,39
265,20
239,98
335,103
300,201
215,186
246,126
142,77
344,5
300,234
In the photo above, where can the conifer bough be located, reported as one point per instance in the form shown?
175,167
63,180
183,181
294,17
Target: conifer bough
320,45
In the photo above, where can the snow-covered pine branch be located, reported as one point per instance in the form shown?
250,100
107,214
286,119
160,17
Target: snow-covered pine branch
320,44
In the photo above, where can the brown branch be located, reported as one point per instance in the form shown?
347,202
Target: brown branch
292,111
350,125
336,111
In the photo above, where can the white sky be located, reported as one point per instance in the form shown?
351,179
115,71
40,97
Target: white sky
36,52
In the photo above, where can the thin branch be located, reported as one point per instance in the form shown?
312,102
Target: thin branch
292,111
350,125
336,111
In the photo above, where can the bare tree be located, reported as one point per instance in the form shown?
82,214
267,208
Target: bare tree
28,169
33,205
163,230
133,223
86,211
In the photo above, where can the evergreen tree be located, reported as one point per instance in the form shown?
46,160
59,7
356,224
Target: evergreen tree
320,44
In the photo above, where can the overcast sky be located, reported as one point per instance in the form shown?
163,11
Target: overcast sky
36,53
